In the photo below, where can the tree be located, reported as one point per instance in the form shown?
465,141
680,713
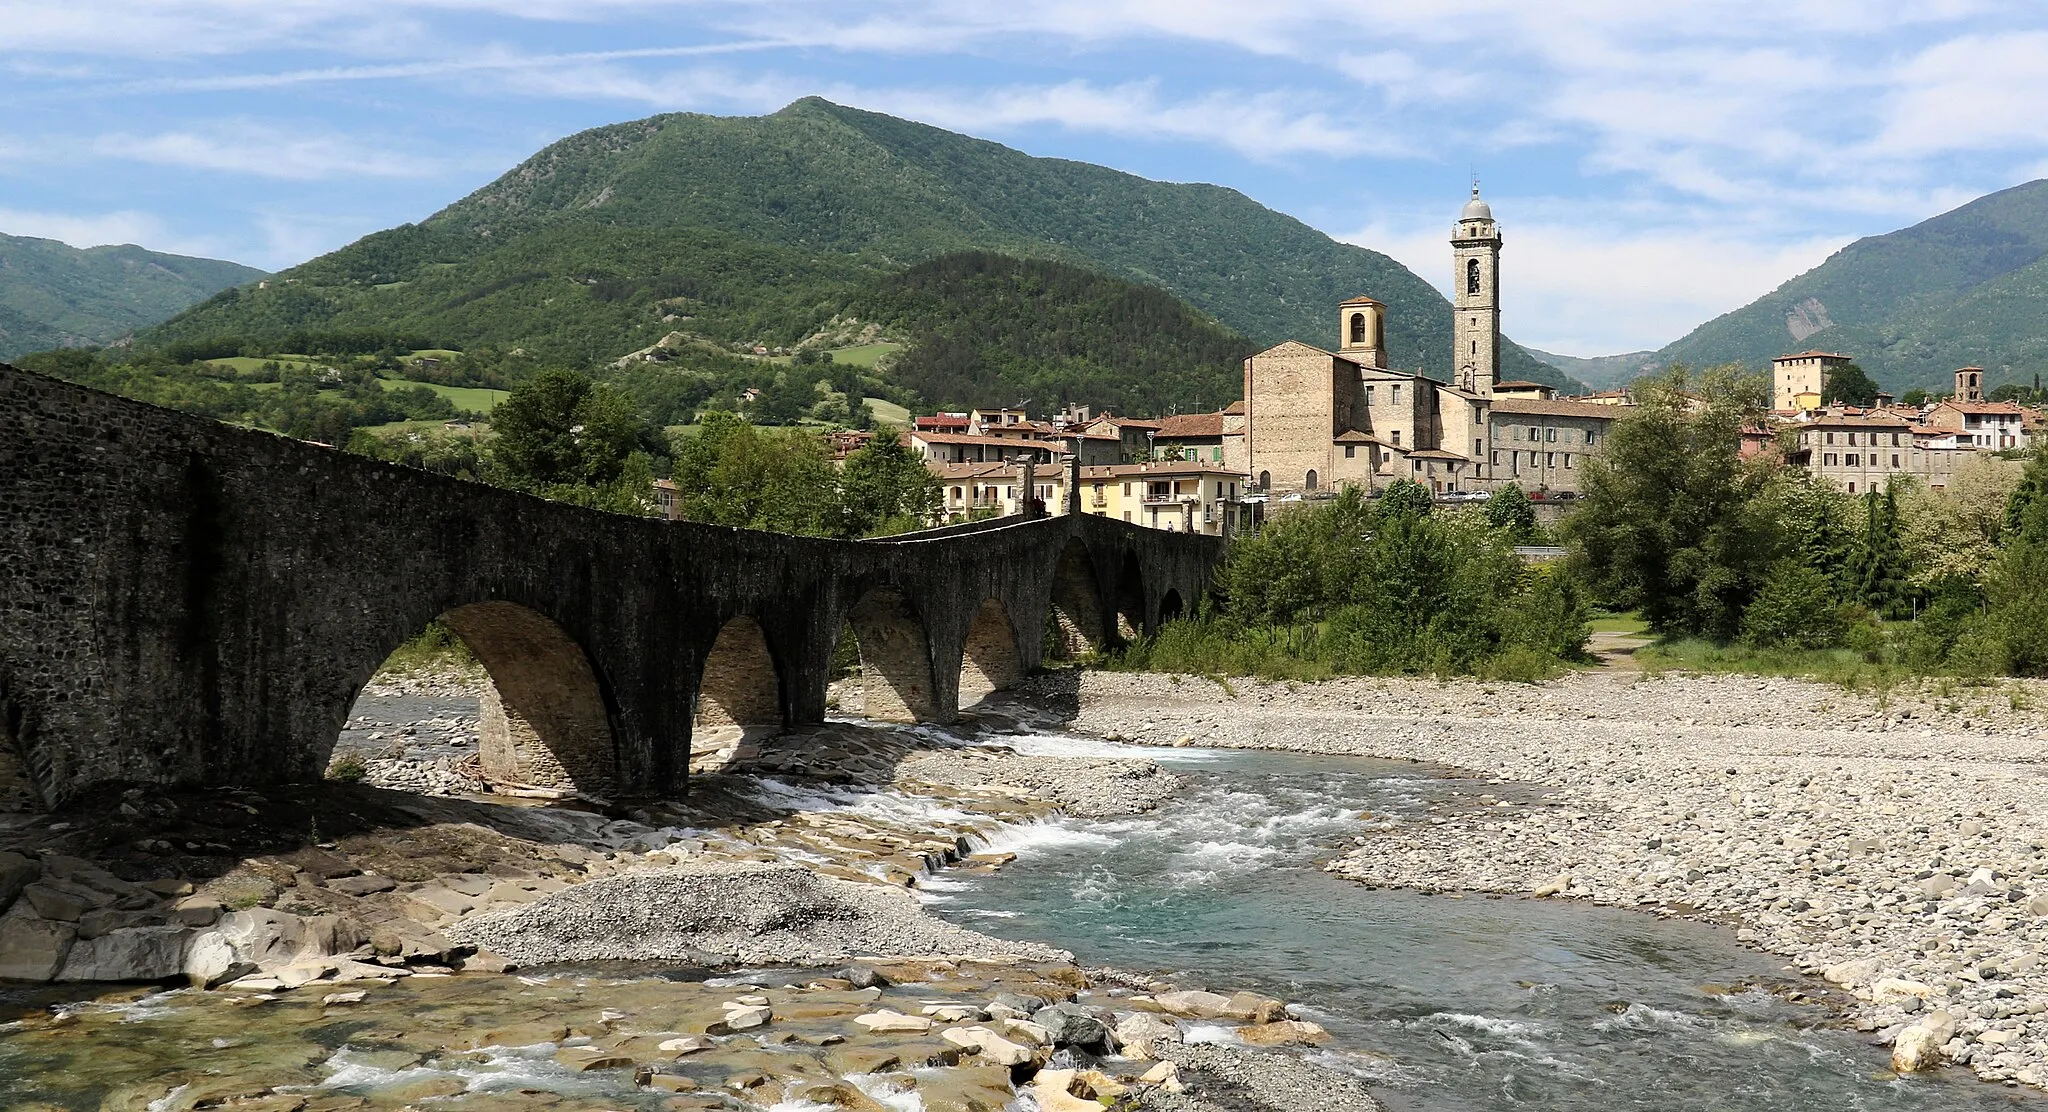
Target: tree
563,429
1915,398
733,473
1795,609
1405,498
1848,385
1877,567
1951,535
885,487
1668,523
1509,510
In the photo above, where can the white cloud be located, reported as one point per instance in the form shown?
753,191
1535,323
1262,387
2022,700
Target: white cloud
268,151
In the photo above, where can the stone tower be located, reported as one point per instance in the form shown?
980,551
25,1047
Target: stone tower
1475,327
1362,330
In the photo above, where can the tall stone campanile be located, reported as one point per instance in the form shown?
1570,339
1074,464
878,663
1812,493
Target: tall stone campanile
1475,245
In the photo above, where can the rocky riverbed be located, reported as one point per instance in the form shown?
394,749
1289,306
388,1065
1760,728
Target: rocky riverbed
1893,843
372,943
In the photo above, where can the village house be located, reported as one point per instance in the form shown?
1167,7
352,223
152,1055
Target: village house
1798,382
943,447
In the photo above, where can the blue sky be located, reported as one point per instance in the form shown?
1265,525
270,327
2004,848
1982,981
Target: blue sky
1652,164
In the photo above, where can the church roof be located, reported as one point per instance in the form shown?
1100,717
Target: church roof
1556,407
1362,299
1476,209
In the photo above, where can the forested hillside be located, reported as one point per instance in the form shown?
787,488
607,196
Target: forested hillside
760,230
53,294
1968,287
988,328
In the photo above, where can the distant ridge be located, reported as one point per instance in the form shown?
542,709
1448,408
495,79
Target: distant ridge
1602,371
1968,287
56,295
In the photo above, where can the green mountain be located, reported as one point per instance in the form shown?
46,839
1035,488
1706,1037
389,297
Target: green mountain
1968,287
744,230
55,295
1602,371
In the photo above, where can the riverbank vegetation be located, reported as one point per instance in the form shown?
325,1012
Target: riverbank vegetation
1364,586
1752,565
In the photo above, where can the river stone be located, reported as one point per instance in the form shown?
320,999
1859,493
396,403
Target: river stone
1194,1004
1918,1047
128,954
990,1045
364,885
1286,1032
1139,1032
56,901
1052,1088
747,1016
886,1021
33,949
16,873
1849,974
1071,1024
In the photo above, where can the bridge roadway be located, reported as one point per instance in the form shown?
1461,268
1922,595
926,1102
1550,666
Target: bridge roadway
186,602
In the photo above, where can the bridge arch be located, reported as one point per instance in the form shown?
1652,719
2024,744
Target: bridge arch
990,661
543,721
739,683
1076,614
895,658
1171,606
1130,597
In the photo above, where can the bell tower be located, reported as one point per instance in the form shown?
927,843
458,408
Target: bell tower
1362,330
1475,324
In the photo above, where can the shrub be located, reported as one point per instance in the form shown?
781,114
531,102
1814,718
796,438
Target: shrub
348,767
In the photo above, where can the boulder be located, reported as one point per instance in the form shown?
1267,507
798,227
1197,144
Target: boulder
264,938
747,1016
1918,1047
888,1022
1140,1032
33,949
55,900
988,1044
1052,1090
128,954
1555,886
1071,1025
1849,974
1890,990
16,873
1253,1008
364,885
1194,1004
1166,1075
1286,1032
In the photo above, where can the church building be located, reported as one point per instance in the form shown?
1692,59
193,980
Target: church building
1316,420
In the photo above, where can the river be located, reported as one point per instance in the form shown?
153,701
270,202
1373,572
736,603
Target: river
1448,1002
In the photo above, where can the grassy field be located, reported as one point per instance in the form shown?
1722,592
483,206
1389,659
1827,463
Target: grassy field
864,355
1630,622
888,412
475,398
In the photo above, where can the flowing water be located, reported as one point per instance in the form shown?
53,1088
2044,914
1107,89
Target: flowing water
1456,1003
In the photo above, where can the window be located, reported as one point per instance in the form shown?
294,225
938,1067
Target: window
1397,438
1471,276
1496,459
1535,433
1309,483
1394,392
1368,393
1417,464
1849,460
1358,327
1895,461
1518,432
1829,437
1265,480
1478,448
1852,488
1350,451
1127,515
1550,459
1550,435
1567,461
1830,459
1475,347
1895,440
1532,459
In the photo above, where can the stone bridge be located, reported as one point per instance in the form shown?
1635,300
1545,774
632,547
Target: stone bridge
185,602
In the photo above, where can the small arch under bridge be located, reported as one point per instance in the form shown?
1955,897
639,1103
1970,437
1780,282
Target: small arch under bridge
185,602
